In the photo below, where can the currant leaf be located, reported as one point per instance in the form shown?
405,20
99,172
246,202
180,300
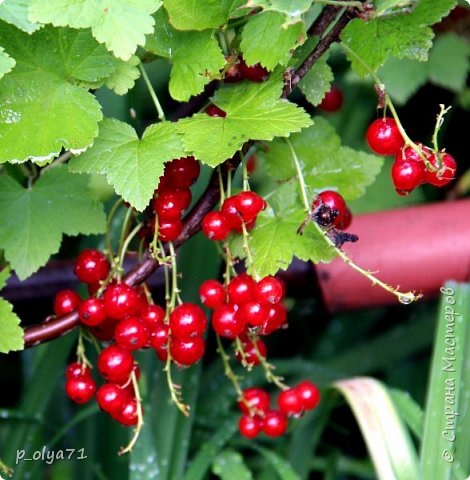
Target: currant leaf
274,241
131,165
196,56
6,63
230,464
292,9
15,12
325,163
4,276
317,82
11,334
124,76
120,24
33,220
254,111
265,40
200,14
402,36
43,90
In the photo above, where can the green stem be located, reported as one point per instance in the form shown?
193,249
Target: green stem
229,373
124,233
439,122
246,183
112,212
153,95
247,249
300,176
125,246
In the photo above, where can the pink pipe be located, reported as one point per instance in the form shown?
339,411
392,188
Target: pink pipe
416,248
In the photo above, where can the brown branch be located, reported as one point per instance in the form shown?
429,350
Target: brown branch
51,329
324,20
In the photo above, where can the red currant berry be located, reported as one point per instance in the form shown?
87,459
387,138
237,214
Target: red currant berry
66,301
250,427
251,353
159,335
446,171
309,394
384,137
335,202
251,163
409,153
128,415
274,423
91,266
187,321
332,100
407,174
131,333
215,226
214,111
115,364
212,294
226,322
120,300
169,230
104,332
248,205
185,196
80,389
233,74
255,400
76,370
290,402
229,209
92,312
111,398
346,221
182,172
254,73
269,290
187,352
168,206
152,315
277,318
254,313
241,289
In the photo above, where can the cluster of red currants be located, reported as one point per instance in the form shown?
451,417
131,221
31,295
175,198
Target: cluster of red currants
239,209
257,415
238,70
173,196
409,169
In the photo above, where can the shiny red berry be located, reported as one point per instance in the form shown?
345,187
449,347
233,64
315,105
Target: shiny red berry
290,402
76,370
92,312
187,321
182,172
187,352
255,400
152,315
215,226
168,206
254,313
169,230
384,137
212,293
407,174
309,394
111,398
274,423
91,266
115,364
214,111
277,318
241,289
105,330
446,172
248,205
226,322
336,204
159,335
66,301
229,209
131,333
120,300
80,389
250,427
128,414
332,100
269,290
254,73
345,223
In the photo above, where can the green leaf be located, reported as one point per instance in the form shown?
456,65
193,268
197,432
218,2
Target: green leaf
402,36
266,40
16,13
4,276
254,111
387,439
6,63
292,9
229,465
197,57
281,466
120,24
388,6
317,82
11,334
124,76
131,165
325,163
33,220
42,90
200,14
409,411
274,241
